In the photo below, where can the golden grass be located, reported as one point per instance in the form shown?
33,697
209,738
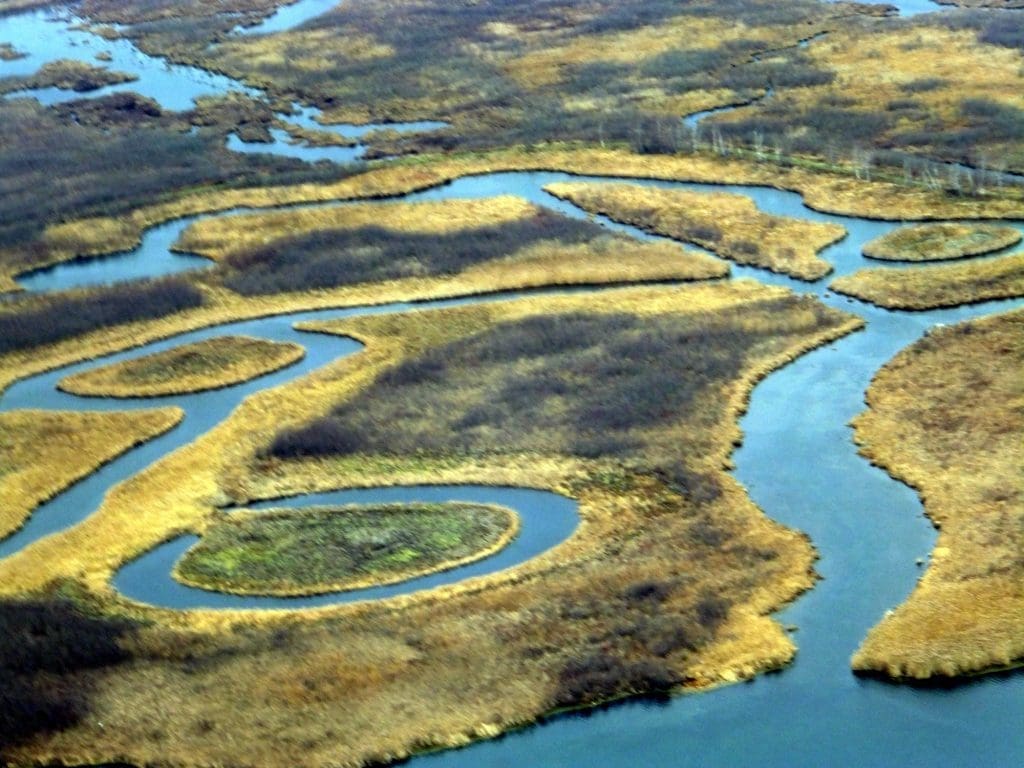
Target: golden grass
941,242
731,225
940,285
210,364
447,666
298,584
947,417
44,452
216,238
832,192
872,64
548,66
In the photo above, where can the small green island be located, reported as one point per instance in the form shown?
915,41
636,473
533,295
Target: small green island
941,242
211,364
291,552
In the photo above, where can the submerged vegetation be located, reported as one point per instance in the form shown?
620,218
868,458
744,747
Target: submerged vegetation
947,417
940,242
303,552
939,285
43,452
209,364
730,225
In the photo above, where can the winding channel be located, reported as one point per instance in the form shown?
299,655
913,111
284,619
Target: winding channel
797,461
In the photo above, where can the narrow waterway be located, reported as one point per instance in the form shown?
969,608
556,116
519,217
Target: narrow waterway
800,466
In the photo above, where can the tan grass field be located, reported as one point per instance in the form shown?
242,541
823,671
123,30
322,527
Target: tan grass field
448,666
940,285
941,242
946,416
211,364
730,225
44,452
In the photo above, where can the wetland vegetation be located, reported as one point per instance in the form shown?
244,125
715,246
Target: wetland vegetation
210,364
302,552
626,400
938,285
43,452
946,416
941,242
730,225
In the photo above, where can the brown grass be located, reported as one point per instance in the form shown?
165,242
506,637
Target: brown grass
941,242
455,664
832,192
731,225
43,452
211,364
947,417
941,285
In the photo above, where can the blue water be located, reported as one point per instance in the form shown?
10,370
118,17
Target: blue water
799,464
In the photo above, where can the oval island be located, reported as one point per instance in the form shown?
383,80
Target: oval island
941,242
295,552
210,364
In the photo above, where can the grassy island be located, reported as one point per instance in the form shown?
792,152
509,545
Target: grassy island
667,583
310,551
947,417
211,364
43,452
940,242
68,75
490,244
730,225
9,53
934,286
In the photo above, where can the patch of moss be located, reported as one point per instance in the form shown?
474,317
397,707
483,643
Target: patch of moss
300,552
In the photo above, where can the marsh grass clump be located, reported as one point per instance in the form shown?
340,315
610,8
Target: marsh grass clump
938,285
208,364
301,552
68,75
730,225
43,647
328,258
36,322
940,242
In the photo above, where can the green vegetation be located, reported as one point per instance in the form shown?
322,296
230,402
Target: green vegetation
939,285
68,75
36,321
209,364
302,552
42,647
939,242
946,416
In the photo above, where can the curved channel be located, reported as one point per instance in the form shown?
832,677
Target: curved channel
798,463
546,518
